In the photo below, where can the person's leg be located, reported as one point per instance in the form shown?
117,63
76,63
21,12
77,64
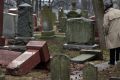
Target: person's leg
117,53
112,56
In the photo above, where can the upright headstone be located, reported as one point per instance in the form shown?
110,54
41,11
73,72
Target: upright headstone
116,4
90,72
80,30
48,19
24,30
60,68
84,4
62,24
1,16
25,24
10,25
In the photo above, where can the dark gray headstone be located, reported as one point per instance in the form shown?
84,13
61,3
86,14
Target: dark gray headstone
25,23
90,72
60,65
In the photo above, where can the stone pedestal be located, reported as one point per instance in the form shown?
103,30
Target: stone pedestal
80,30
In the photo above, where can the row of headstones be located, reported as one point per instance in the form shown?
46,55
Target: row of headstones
60,64
22,24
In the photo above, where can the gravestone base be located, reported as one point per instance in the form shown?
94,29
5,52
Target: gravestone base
78,46
2,41
114,78
15,48
22,40
17,44
47,34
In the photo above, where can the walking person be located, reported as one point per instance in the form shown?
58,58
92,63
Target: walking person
111,25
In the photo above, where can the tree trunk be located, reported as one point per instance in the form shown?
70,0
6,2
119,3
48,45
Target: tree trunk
99,13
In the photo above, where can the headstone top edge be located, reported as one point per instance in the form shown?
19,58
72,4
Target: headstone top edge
81,18
25,5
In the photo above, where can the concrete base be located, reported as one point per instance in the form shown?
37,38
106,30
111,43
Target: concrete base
79,46
14,48
47,34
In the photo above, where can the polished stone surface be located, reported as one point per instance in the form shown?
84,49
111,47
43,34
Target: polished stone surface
25,23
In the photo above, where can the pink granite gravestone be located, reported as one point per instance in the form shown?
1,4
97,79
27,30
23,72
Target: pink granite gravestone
1,16
2,39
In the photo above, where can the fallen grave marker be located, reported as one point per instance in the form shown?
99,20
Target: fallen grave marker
37,52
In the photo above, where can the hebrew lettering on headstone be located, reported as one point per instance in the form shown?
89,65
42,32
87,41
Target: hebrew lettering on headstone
80,30
90,72
60,65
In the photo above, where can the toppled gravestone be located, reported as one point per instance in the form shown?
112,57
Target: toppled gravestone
36,53
60,67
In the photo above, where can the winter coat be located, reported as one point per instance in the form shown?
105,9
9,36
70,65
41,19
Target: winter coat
111,26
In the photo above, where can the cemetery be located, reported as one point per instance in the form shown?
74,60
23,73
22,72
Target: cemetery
54,40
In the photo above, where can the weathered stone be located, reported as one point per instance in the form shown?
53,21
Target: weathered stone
60,68
2,77
102,66
76,46
80,30
118,65
1,16
82,58
10,25
62,24
98,53
48,18
90,72
47,34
